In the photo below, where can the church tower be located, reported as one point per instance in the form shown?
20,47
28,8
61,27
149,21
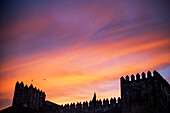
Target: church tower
94,101
94,97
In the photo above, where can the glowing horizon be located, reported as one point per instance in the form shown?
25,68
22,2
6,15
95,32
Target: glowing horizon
81,47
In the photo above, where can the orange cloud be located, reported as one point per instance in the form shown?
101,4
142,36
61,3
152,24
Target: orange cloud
81,67
83,49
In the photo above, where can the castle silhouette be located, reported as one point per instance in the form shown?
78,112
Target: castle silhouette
145,94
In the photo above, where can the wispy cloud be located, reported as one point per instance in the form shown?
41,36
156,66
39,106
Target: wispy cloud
79,47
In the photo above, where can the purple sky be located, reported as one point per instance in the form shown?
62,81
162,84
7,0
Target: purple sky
81,46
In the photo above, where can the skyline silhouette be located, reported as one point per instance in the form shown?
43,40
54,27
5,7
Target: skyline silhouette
140,93
80,47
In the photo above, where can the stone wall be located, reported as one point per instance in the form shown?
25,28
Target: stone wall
145,94
28,96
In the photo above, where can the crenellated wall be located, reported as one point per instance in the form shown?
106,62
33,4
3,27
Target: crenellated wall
141,93
88,107
28,96
35,99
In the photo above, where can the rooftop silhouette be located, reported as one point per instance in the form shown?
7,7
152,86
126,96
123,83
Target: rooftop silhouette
145,93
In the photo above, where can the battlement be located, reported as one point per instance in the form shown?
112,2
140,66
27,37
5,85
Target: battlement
138,92
145,89
98,105
22,86
142,77
28,96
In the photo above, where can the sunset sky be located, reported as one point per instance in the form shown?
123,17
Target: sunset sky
81,46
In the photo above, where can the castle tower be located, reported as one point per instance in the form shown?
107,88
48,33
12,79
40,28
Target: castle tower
28,96
145,94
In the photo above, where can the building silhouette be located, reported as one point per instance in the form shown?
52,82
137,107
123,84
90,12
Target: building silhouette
145,95
148,93
28,96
